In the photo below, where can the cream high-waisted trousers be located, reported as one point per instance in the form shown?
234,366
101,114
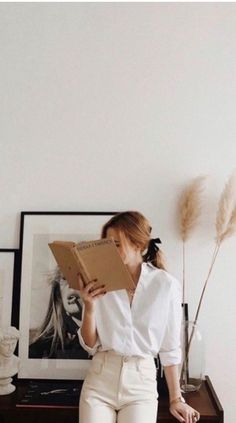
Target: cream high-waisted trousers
119,389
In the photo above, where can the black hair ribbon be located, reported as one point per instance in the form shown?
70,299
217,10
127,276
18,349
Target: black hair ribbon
152,249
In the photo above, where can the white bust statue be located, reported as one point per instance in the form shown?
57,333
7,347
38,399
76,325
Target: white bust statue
9,363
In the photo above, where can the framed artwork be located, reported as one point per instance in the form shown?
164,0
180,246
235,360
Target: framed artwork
8,275
50,313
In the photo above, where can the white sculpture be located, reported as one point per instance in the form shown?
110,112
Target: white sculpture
9,363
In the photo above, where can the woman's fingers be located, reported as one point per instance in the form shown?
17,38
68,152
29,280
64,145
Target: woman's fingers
185,413
198,415
82,285
178,416
94,287
195,417
101,295
91,285
97,291
183,416
92,290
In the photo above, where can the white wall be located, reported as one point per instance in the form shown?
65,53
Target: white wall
114,106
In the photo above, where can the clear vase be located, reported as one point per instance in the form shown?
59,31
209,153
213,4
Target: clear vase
192,369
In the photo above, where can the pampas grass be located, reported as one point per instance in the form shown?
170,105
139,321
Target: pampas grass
190,206
225,225
226,214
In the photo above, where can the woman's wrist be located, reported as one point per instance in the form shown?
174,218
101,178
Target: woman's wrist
174,394
89,308
175,400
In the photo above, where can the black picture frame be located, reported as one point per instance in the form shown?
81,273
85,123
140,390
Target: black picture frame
9,286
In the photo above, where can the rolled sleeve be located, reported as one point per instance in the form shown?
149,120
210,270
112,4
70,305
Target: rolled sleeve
90,350
170,352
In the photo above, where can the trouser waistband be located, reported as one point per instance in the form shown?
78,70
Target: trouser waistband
115,357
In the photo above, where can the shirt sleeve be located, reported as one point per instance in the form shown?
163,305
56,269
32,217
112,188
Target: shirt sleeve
170,351
90,350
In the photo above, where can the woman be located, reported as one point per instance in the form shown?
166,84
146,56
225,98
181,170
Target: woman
124,331
57,337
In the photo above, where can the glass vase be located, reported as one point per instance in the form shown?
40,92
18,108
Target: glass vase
192,368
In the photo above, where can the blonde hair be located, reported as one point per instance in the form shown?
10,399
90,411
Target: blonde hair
53,325
137,230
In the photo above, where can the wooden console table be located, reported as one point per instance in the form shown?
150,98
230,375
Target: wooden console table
205,401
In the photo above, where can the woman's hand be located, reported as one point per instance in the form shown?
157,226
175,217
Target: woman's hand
91,292
184,413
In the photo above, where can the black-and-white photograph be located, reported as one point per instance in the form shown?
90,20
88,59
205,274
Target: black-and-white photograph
49,335
55,308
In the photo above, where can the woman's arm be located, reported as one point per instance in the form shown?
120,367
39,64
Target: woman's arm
87,333
182,412
172,379
88,327
170,355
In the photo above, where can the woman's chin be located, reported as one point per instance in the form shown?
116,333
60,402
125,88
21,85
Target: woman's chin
74,312
72,309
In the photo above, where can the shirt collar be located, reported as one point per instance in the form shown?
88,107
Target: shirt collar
148,265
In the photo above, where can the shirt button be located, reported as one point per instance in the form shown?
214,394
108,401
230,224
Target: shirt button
125,359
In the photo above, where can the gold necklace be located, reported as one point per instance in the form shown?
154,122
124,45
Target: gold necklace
132,290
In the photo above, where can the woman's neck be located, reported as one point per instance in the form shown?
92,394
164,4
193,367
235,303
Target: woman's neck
135,270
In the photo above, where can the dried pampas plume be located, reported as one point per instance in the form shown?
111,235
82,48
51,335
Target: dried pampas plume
226,214
225,227
225,224
190,206
231,229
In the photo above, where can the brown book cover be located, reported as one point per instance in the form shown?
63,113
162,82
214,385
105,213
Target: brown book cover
97,259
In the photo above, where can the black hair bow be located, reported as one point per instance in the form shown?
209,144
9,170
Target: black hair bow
153,243
152,249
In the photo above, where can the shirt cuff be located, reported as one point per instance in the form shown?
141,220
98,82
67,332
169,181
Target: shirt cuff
170,358
90,350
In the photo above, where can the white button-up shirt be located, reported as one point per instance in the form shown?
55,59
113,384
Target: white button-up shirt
151,325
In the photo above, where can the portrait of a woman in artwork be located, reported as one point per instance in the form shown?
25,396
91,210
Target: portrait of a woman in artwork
57,335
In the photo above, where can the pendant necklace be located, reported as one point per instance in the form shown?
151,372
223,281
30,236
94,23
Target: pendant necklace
132,290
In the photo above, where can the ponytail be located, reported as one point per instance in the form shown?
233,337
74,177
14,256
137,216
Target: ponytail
154,255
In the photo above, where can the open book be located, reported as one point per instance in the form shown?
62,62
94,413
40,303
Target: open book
98,259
